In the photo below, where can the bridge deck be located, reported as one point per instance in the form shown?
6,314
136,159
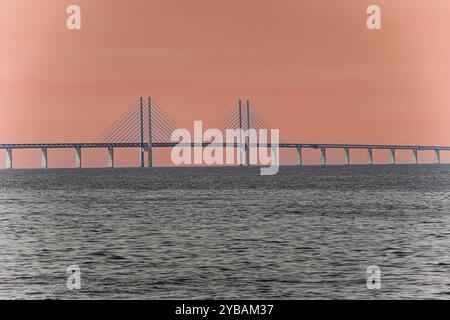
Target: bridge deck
173,144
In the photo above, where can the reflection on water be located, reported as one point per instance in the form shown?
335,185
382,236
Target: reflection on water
307,232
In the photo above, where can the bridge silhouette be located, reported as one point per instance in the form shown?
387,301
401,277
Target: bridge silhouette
146,126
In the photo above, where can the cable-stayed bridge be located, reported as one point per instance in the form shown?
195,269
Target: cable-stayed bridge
146,126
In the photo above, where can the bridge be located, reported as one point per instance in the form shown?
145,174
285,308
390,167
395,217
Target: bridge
146,126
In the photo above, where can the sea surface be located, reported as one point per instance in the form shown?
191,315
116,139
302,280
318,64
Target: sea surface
197,233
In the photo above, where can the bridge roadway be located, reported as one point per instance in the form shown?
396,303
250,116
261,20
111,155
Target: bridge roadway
173,144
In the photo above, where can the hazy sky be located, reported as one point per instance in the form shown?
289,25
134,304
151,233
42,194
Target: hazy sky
311,67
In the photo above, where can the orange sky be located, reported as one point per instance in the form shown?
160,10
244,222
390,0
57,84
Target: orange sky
311,67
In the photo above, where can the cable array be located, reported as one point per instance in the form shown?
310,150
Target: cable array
127,129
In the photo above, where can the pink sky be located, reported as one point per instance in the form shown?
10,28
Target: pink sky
311,67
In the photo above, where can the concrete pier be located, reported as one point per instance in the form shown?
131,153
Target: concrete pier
44,158
415,156
9,158
275,155
346,156
369,156
78,157
437,156
150,157
323,156
299,156
110,163
392,152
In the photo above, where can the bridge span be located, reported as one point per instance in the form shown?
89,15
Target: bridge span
146,126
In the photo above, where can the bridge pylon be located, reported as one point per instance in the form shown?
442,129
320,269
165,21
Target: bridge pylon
141,118
143,126
150,136
9,158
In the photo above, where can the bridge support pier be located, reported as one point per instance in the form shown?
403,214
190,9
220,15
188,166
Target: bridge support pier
78,157
323,156
110,157
392,152
141,157
275,156
44,162
437,156
369,156
346,156
9,158
415,156
299,156
150,157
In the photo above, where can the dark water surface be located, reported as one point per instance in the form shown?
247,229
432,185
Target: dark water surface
307,232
